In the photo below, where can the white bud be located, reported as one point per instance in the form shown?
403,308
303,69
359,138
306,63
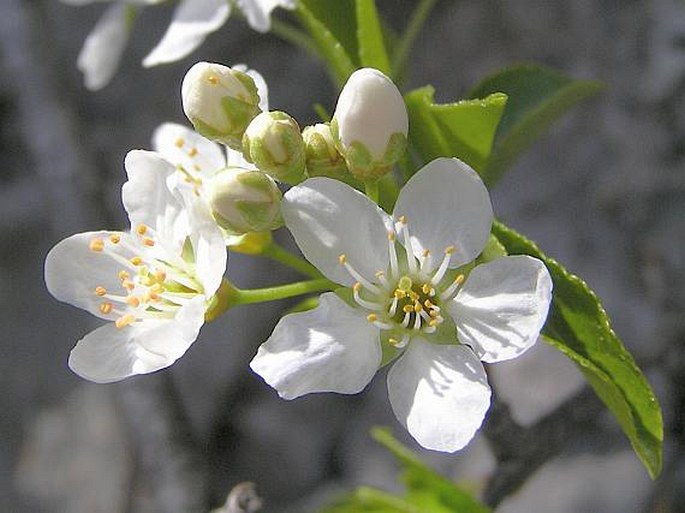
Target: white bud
245,200
370,124
220,102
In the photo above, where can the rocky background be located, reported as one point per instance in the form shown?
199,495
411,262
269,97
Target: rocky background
604,193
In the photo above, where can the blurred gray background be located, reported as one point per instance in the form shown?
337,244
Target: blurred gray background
603,192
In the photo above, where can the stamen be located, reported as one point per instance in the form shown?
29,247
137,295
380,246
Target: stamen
96,245
417,323
212,80
405,321
136,260
115,238
372,317
411,259
393,255
148,241
393,307
361,301
353,272
100,291
141,229
449,291
425,262
106,308
193,151
179,142
124,320
124,275
380,276
399,344
133,301
440,273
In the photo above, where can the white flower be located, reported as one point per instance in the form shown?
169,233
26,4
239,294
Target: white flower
152,283
407,296
192,22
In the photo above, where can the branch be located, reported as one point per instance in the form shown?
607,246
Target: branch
521,451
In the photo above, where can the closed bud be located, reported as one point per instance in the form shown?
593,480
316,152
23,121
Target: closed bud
322,157
244,200
274,144
220,102
370,124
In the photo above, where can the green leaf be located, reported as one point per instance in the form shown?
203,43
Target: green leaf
464,129
579,327
537,96
333,51
372,52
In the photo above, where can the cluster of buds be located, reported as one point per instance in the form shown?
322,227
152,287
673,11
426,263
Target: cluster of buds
364,140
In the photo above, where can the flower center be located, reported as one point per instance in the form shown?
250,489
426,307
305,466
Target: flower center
153,283
405,299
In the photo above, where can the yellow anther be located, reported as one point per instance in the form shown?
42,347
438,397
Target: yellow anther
342,259
100,291
124,320
124,275
128,285
133,301
449,250
433,322
96,245
115,238
193,151
357,287
425,288
427,303
179,142
136,260
432,313
212,80
393,341
400,294
403,220
106,308
148,241
417,307
459,279
407,308
413,295
425,253
141,229
372,317
392,236
160,276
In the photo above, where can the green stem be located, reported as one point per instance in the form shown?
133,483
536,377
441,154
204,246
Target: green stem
285,257
249,296
372,191
418,18
294,36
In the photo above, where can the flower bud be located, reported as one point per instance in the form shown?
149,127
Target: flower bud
322,157
274,144
220,102
370,124
244,200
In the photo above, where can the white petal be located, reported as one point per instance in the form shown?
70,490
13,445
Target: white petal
446,204
502,307
192,22
73,271
439,393
208,243
148,200
184,147
110,354
262,88
258,12
329,218
102,50
332,348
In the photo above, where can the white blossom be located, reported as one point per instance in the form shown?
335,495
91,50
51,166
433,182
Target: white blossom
152,284
409,295
191,23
